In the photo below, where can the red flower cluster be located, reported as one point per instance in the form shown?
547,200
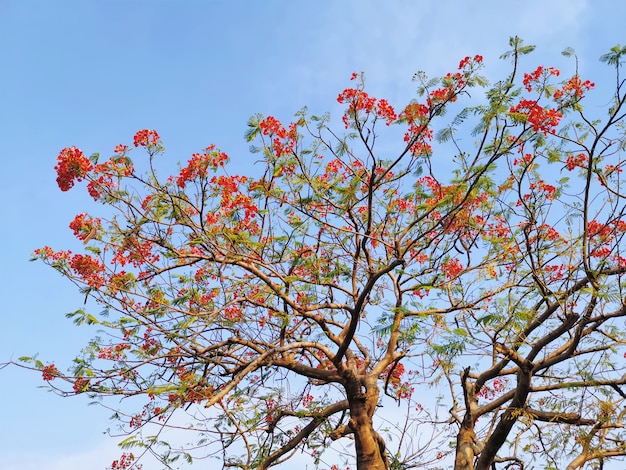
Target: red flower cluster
199,164
541,119
546,232
272,126
49,372
80,385
135,251
441,95
533,77
386,111
146,138
542,186
284,139
452,268
90,270
113,353
232,313
120,149
598,229
47,253
233,202
125,462
524,160
468,61
393,376
333,170
71,166
555,272
576,161
85,227
107,174
416,115
359,100
575,88
497,387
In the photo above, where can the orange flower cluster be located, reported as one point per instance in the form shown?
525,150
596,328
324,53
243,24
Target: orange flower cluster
106,175
468,61
85,227
541,119
272,126
542,186
284,139
146,138
575,88
540,72
576,161
416,115
71,166
90,270
47,253
358,100
233,201
198,165
452,268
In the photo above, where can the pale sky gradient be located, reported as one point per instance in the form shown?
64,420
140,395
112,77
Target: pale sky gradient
90,73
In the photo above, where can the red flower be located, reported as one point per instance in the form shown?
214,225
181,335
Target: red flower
452,268
357,100
541,119
539,73
49,372
464,62
146,138
71,165
80,385
386,111
574,89
85,227
467,61
576,161
272,126
126,461
199,164
90,270
120,149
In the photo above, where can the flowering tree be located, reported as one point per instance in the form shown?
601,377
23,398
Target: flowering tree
286,312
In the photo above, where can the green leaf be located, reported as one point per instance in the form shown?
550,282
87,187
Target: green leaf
445,134
80,317
93,249
253,127
130,442
459,332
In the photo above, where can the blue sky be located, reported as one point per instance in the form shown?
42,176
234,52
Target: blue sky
91,73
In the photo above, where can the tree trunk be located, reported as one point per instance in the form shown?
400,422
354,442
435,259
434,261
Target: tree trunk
465,449
370,447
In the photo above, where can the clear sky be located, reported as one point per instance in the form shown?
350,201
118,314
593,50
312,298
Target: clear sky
90,73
